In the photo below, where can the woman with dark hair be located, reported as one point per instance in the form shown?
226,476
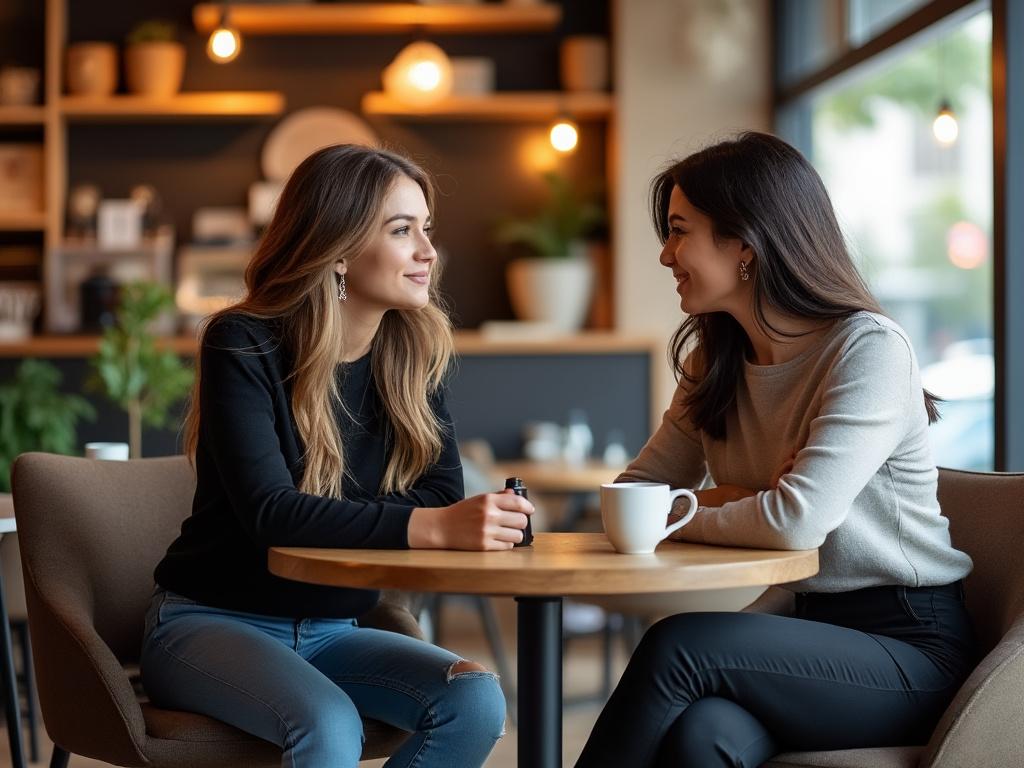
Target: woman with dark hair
804,403
319,420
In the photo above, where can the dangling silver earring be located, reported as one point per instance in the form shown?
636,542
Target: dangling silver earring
744,272
342,293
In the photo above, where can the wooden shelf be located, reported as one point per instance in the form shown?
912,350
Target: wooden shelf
378,18
466,343
215,105
31,221
80,346
22,115
501,106
581,343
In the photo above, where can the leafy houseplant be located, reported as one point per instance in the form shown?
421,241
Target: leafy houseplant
154,59
562,221
153,31
555,287
129,367
36,416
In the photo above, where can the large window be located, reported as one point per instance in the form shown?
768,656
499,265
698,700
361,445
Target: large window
917,212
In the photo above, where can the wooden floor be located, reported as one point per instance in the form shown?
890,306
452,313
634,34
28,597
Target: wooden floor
463,635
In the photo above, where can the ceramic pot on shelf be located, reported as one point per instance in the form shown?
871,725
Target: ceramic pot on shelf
556,291
154,68
91,69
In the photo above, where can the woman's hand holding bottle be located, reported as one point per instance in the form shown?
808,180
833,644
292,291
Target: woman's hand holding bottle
489,521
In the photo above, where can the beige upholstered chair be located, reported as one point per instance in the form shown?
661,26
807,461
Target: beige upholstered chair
91,533
984,725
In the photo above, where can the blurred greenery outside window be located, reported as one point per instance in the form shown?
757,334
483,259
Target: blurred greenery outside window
917,214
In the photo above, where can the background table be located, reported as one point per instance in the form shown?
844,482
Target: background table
558,564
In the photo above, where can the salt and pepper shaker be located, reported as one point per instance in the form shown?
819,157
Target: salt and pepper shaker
519,489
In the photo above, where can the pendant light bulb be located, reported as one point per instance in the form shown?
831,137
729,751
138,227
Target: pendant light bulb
945,126
225,43
564,135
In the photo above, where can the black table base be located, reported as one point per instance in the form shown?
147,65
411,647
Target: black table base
540,681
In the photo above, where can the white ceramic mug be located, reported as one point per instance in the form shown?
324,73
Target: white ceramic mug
108,451
634,514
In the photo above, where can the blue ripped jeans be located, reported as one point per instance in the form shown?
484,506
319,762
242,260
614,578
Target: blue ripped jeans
305,684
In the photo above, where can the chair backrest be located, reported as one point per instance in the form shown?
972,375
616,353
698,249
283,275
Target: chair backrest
986,520
91,533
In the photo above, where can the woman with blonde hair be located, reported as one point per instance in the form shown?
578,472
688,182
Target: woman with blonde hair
319,419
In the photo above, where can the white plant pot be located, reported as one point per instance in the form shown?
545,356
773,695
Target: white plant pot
154,69
553,291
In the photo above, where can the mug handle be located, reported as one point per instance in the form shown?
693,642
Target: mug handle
685,518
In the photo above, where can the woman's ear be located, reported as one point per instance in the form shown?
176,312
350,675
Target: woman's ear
340,267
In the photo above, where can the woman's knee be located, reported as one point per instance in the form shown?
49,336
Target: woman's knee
716,732
475,697
330,729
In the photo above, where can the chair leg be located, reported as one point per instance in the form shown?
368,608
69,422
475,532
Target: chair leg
60,758
30,690
434,608
490,621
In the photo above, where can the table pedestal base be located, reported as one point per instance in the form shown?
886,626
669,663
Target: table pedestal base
539,679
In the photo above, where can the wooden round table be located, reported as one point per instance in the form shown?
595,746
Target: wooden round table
539,576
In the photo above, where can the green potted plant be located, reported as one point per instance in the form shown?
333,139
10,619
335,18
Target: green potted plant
154,60
554,285
132,370
36,416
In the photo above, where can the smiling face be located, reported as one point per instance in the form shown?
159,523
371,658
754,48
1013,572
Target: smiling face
394,272
707,271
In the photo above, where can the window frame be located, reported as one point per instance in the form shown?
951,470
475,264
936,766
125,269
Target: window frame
1008,178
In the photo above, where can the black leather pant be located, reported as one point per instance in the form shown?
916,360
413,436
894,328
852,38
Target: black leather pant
870,668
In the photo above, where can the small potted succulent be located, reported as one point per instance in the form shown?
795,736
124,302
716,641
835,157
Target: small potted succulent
556,283
154,60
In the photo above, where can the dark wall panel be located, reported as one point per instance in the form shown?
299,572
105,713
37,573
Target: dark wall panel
491,397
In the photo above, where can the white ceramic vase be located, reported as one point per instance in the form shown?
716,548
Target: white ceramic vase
551,290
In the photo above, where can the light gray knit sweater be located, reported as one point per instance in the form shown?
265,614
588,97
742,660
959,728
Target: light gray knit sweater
863,485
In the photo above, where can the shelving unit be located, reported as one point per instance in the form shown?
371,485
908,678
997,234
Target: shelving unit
58,110
51,119
466,343
378,18
215,105
500,106
22,116
30,221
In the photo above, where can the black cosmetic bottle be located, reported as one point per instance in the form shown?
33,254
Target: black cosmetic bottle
519,488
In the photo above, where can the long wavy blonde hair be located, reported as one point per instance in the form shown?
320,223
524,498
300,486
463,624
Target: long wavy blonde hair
331,209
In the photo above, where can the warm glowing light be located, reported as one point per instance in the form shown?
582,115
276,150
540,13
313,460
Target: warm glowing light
425,75
225,44
966,245
420,75
564,136
945,126
536,155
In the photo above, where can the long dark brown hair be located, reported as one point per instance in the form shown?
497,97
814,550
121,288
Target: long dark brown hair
330,209
761,191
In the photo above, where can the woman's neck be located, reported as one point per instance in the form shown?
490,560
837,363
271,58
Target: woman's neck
360,328
780,348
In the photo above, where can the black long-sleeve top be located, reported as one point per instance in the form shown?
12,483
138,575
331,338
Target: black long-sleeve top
249,464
